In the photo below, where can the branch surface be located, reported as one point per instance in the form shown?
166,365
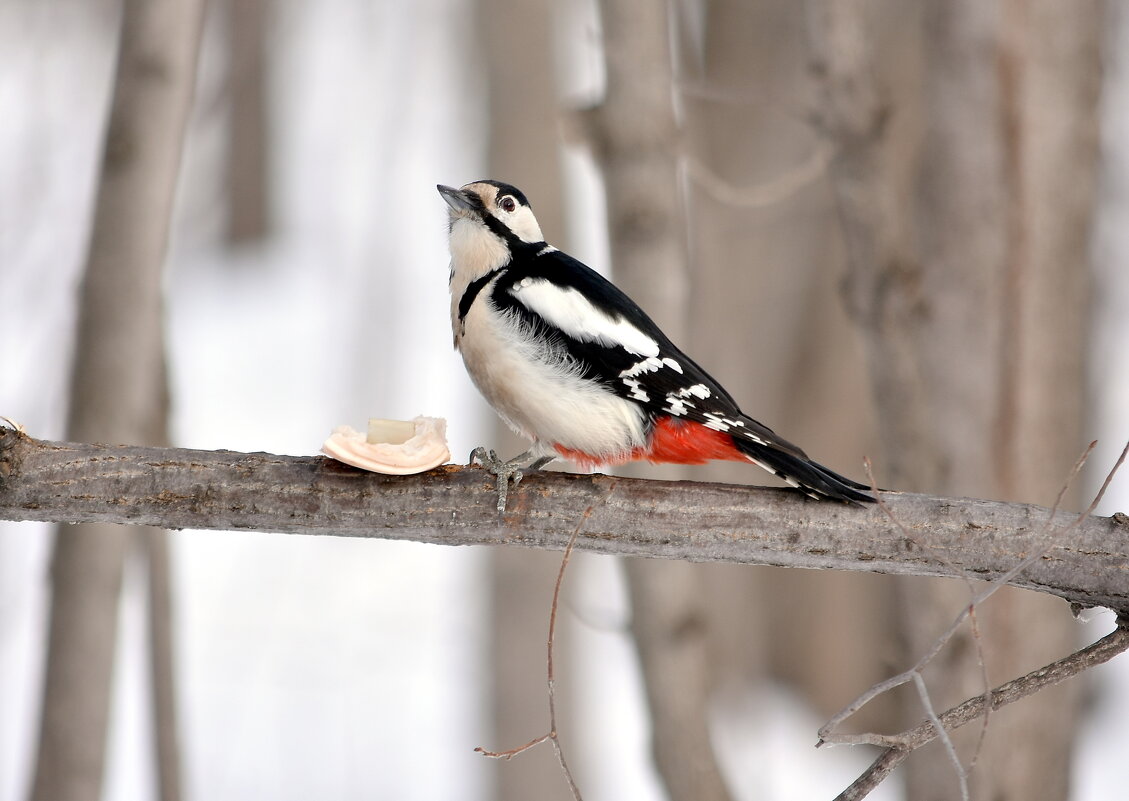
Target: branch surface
191,489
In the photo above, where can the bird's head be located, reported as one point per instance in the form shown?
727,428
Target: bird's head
491,209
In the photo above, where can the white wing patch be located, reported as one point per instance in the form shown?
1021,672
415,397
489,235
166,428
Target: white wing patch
575,315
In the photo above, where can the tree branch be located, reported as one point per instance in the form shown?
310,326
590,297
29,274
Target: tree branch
900,746
180,488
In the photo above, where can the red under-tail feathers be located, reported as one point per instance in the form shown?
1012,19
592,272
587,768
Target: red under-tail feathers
673,441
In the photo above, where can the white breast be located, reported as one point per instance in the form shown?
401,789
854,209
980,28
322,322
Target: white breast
537,391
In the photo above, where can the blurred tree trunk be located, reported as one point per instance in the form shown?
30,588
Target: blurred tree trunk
248,191
634,137
162,672
523,148
770,325
118,392
969,277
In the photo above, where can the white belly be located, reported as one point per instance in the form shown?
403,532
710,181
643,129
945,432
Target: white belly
538,394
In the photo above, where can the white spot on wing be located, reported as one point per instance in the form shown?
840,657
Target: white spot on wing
637,391
673,365
753,436
715,422
574,314
676,406
648,365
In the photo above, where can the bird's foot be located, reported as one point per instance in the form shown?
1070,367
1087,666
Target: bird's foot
506,471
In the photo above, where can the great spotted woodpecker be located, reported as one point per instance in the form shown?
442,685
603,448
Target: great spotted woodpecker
572,363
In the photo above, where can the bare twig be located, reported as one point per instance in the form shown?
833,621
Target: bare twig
827,733
942,733
512,752
900,746
875,774
923,694
551,675
940,726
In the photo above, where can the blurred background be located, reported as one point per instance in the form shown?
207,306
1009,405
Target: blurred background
891,229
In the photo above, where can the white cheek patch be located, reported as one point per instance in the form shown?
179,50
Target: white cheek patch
571,312
524,225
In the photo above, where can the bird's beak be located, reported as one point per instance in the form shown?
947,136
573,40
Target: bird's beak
456,199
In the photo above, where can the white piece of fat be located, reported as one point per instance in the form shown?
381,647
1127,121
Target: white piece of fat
402,447
392,432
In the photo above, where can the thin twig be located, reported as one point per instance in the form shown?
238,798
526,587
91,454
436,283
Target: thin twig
900,746
551,674
552,678
512,752
826,734
961,771
874,775
974,624
942,732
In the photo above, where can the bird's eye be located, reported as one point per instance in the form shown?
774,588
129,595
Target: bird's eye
507,203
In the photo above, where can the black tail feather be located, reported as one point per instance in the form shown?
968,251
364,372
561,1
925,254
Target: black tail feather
812,477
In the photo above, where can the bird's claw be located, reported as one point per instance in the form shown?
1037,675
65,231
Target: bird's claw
504,471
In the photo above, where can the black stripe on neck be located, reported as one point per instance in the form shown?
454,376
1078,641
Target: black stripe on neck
473,288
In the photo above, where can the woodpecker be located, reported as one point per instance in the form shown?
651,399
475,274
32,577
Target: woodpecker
572,363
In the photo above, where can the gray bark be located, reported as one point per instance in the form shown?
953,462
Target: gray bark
162,670
180,488
118,388
247,174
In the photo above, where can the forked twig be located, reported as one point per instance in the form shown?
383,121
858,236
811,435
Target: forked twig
551,676
915,673
900,746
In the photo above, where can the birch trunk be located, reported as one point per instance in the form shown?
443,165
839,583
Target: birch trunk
118,393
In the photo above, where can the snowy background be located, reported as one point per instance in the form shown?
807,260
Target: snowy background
322,667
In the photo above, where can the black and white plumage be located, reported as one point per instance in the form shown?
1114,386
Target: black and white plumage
572,363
